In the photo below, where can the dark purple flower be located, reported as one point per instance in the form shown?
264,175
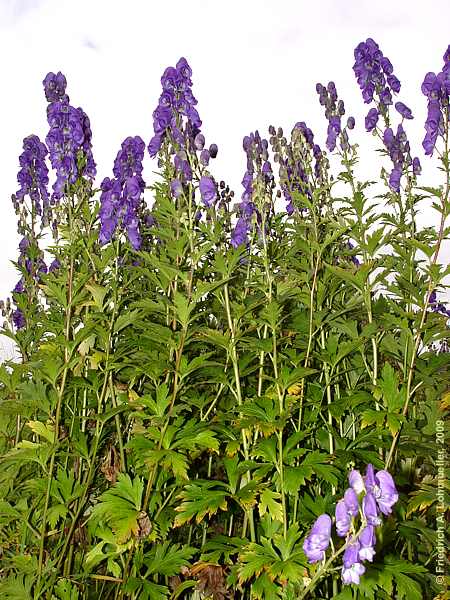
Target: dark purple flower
371,119
155,144
239,233
208,190
121,197
394,179
374,73
213,150
417,168
403,110
350,122
318,539
19,319
69,134
54,265
55,87
334,128
33,175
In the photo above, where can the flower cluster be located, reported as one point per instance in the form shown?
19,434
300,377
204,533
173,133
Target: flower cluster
121,197
375,75
176,113
257,183
437,89
176,121
33,266
334,111
367,497
33,175
69,137
295,160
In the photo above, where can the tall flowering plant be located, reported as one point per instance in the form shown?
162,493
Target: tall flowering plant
199,377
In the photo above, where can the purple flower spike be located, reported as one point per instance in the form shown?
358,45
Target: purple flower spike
208,190
318,540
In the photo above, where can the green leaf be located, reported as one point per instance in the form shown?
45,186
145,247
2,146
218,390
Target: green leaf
270,502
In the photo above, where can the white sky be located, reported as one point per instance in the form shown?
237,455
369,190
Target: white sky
254,63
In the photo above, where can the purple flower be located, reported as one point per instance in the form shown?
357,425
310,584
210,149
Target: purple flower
33,174
394,179
367,542
371,119
121,198
19,319
69,133
370,510
199,141
356,481
176,188
54,265
204,157
385,492
350,122
353,573
208,190
213,150
417,168
334,128
374,73
318,540
239,233
55,87
346,508
403,110
351,553
343,519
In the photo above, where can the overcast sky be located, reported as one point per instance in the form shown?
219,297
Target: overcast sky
254,63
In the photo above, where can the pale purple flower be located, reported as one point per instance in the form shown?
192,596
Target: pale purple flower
367,542
343,519
353,573
385,491
318,539
356,481
370,510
